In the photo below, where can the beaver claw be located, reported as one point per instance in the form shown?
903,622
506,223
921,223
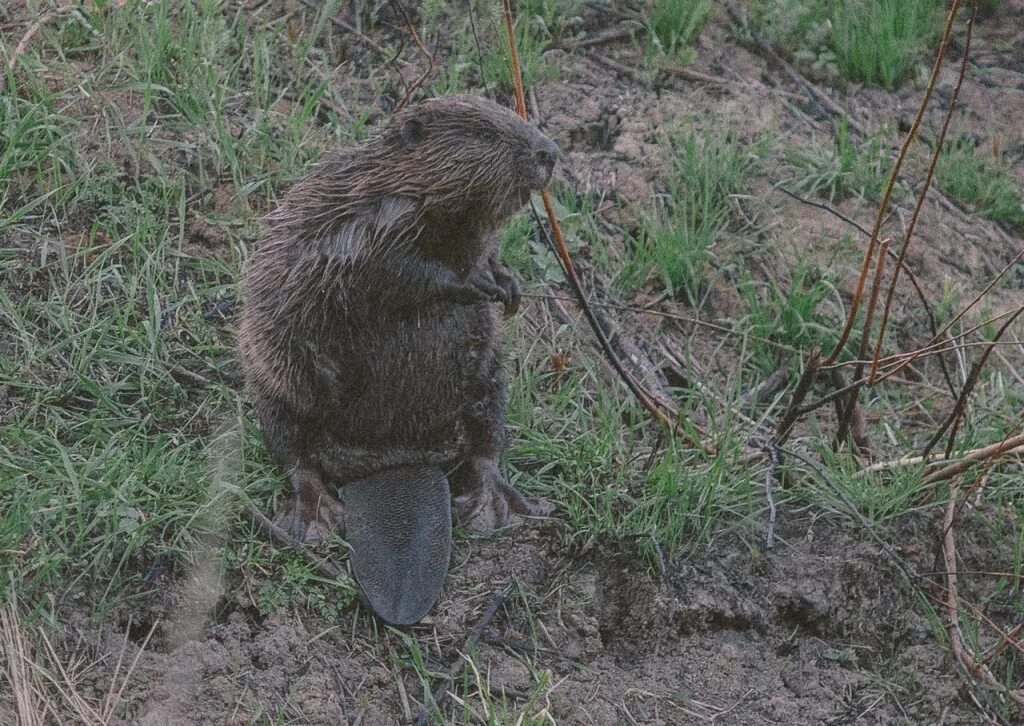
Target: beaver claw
506,281
313,513
485,502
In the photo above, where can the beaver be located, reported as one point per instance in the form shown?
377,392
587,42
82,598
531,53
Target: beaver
369,341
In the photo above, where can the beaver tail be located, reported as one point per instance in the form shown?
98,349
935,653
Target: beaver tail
398,524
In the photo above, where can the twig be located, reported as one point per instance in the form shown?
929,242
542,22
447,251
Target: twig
279,536
851,405
816,97
933,459
803,387
411,88
908,235
670,419
689,74
890,185
769,482
665,414
1006,446
441,693
367,40
513,59
178,371
852,418
963,653
902,264
972,379
599,38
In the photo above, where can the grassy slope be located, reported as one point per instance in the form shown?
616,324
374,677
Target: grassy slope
133,169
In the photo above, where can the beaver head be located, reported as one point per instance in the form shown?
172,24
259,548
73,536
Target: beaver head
464,156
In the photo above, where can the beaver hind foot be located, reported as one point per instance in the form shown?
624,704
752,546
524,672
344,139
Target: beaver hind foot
484,501
399,530
312,513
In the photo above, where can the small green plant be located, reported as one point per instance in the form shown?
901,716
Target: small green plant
675,241
880,41
675,25
870,41
789,317
532,39
982,181
677,246
844,170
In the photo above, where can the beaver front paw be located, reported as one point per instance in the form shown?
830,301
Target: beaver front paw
484,501
510,293
312,514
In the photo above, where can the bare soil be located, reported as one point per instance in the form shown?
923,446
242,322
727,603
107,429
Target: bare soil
825,628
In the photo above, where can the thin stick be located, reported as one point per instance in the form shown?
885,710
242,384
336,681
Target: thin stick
411,88
963,653
513,53
902,265
441,692
660,411
975,456
803,387
279,536
890,185
876,286
769,482
972,380
908,236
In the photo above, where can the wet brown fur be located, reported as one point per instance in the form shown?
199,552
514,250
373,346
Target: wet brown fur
369,337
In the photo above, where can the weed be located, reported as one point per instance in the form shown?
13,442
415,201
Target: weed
869,41
676,240
675,26
845,170
880,41
790,317
981,181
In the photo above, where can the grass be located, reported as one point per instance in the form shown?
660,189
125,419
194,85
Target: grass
676,238
791,317
878,42
843,170
675,26
982,181
134,167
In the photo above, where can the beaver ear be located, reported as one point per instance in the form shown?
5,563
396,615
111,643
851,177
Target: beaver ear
413,133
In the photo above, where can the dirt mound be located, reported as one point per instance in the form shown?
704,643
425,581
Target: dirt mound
825,628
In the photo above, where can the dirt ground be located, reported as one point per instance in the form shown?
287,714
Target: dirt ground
831,626
825,628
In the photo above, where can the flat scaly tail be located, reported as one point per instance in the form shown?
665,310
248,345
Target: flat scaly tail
398,524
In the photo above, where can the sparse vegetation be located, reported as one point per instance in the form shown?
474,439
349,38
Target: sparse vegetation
981,180
675,25
879,42
844,169
676,239
134,168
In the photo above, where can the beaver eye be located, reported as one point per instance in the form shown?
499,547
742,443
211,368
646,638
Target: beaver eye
487,135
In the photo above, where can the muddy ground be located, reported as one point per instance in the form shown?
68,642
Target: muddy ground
833,625
828,627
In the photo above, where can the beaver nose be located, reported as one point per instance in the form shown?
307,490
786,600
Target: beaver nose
546,156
